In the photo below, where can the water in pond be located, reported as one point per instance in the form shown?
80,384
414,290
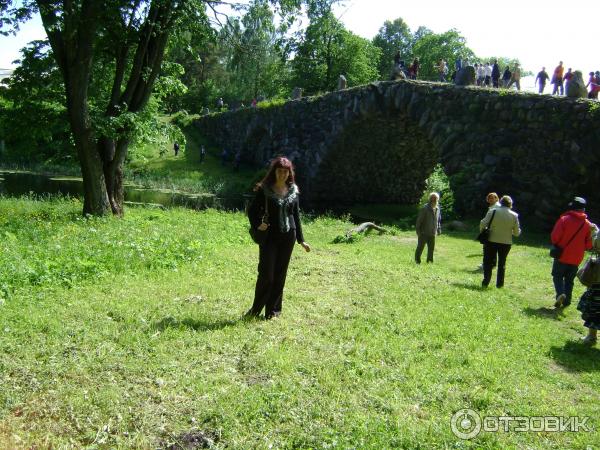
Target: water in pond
14,184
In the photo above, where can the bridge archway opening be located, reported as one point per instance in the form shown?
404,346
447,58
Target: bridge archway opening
377,160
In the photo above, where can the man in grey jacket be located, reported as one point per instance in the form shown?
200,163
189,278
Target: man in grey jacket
428,226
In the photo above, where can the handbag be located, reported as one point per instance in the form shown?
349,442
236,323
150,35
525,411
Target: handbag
484,235
556,251
260,236
590,272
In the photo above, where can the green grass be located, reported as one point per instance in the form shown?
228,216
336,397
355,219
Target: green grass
156,166
126,333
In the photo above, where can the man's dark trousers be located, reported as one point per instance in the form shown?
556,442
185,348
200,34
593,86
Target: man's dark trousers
422,241
563,276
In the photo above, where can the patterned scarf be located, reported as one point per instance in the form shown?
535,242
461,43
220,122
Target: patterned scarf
282,203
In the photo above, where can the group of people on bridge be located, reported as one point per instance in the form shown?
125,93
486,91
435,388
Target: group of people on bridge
561,81
489,74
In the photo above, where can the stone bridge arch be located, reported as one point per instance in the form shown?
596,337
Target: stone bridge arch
516,143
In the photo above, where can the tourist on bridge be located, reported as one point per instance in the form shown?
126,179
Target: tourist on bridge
503,226
568,77
594,85
442,69
515,78
429,224
506,77
413,70
557,79
541,79
275,209
495,74
480,73
571,233
487,81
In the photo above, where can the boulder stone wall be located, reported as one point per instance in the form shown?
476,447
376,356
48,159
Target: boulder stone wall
378,143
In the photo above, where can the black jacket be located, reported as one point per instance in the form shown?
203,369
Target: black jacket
256,212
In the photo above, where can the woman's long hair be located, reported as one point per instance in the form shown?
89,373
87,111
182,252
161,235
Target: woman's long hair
270,178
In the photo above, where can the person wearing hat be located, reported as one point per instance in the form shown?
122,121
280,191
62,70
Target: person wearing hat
571,233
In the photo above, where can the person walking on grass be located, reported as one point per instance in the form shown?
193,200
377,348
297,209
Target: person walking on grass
278,193
503,227
429,224
571,233
589,303
493,201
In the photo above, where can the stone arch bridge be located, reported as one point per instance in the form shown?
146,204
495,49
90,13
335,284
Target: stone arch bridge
378,143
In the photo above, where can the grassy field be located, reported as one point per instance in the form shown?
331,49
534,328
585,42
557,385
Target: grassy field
127,334
156,166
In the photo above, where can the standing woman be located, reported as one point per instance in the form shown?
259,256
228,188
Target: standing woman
502,229
277,192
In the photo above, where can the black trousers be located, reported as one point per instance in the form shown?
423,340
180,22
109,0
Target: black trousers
491,251
274,258
421,242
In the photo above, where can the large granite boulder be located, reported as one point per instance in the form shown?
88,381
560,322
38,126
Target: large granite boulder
576,87
465,76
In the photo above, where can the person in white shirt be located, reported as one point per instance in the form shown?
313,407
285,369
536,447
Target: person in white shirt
488,75
503,227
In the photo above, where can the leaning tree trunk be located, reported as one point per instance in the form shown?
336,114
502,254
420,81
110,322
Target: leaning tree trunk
114,154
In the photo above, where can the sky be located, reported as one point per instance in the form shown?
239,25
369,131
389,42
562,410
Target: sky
537,32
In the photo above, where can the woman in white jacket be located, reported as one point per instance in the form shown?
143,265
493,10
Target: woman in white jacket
503,226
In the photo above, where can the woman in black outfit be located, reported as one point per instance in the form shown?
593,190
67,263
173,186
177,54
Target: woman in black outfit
284,228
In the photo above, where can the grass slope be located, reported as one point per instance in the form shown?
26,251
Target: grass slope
127,334
157,166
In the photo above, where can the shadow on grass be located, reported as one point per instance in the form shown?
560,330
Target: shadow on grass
545,312
576,357
470,286
194,324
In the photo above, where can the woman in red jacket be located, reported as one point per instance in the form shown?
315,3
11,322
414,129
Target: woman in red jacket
571,233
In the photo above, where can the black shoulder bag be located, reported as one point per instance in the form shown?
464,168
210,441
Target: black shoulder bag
484,235
556,251
260,236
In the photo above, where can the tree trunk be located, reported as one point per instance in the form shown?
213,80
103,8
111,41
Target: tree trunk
114,154
95,200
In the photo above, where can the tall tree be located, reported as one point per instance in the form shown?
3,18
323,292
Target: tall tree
328,50
393,37
255,61
127,39
432,47
34,117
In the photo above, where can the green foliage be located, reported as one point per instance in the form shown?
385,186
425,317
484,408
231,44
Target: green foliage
348,238
439,182
328,50
432,47
33,119
393,37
